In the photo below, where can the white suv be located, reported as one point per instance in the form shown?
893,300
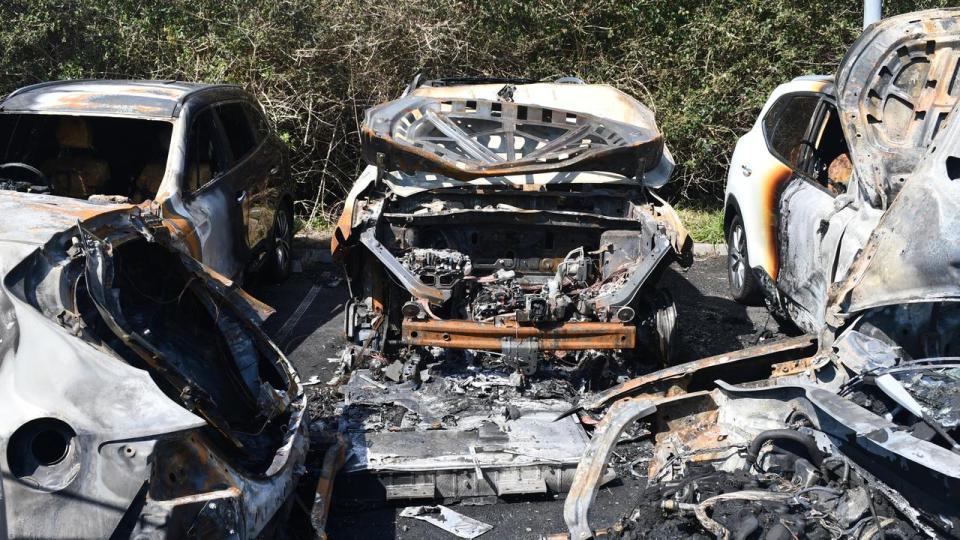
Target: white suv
827,157
786,203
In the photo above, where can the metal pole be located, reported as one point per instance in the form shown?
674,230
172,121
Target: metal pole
872,11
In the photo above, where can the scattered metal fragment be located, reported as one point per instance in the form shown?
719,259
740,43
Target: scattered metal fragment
333,460
447,519
590,470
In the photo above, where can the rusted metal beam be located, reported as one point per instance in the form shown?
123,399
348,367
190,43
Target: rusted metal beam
772,351
487,336
586,480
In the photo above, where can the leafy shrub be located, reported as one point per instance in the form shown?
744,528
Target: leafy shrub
705,67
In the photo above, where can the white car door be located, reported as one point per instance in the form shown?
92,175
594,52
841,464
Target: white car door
812,211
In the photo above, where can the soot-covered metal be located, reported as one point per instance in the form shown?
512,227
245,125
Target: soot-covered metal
140,397
503,251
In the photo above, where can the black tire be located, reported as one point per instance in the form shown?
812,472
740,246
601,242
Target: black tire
280,257
744,287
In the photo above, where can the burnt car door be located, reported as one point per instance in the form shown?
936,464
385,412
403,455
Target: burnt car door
813,208
254,164
215,195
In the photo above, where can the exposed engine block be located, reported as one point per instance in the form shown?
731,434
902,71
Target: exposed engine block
441,268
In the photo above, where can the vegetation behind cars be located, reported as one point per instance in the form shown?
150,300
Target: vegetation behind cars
316,64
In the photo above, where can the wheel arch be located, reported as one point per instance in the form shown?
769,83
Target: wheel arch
730,209
286,202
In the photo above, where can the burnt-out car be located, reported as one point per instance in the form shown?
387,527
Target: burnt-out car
513,219
503,250
139,396
204,155
852,430
826,157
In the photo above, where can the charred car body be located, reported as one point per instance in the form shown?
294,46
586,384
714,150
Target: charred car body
203,154
850,431
515,219
139,396
502,250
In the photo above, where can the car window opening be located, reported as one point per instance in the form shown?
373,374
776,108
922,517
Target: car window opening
830,163
809,139
84,156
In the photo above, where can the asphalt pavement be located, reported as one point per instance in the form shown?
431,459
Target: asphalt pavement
308,327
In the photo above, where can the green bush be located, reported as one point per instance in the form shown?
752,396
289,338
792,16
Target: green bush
705,67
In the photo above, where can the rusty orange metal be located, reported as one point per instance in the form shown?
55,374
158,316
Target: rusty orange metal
645,385
792,367
488,336
344,227
181,227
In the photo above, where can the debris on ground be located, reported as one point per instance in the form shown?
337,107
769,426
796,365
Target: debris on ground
447,519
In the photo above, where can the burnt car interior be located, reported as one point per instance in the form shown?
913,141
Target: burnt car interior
220,137
805,132
84,156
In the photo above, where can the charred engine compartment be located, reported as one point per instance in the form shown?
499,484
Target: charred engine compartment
479,315
466,262
502,252
490,283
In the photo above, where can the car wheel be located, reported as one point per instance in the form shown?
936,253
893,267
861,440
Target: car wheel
665,323
744,287
281,246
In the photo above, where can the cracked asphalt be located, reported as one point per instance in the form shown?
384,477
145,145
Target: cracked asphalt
308,326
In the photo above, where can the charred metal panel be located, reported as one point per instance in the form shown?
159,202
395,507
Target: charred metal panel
897,85
912,255
145,99
466,137
97,440
812,223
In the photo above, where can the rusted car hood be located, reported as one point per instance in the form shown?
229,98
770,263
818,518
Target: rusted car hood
897,88
472,131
